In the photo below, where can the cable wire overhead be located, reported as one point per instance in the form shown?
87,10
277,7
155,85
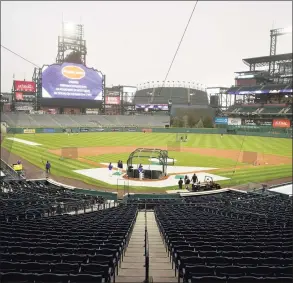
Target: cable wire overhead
178,47
20,56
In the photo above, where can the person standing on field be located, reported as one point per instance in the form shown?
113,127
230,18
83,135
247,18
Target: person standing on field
180,183
110,167
48,167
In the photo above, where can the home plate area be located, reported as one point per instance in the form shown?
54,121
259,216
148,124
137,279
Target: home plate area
117,178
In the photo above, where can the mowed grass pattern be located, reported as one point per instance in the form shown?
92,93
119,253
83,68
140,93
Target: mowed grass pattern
37,155
182,159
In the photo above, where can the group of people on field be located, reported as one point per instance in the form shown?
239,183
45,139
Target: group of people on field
194,181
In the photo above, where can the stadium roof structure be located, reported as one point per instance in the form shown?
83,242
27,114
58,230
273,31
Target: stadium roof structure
266,60
261,89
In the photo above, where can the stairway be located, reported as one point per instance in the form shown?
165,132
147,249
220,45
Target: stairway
160,265
132,268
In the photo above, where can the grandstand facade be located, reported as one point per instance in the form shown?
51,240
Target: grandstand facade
263,95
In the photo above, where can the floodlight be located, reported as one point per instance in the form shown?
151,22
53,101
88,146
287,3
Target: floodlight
69,29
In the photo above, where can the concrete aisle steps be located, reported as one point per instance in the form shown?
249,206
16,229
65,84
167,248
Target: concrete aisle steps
160,265
132,268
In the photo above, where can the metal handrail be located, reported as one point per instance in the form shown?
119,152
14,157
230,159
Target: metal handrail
146,249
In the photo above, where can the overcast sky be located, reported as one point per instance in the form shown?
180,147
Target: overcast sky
134,42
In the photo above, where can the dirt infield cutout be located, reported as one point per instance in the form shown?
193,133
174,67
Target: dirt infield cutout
237,155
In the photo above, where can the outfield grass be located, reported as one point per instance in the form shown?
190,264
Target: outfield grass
37,155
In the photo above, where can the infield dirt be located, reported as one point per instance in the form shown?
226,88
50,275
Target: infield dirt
237,155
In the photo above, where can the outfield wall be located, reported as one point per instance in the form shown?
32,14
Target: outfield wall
264,131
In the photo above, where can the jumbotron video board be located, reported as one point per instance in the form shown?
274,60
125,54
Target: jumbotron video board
71,81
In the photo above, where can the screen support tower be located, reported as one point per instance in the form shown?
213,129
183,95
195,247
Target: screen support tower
71,40
37,78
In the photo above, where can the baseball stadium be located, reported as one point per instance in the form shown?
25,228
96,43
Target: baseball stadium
199,179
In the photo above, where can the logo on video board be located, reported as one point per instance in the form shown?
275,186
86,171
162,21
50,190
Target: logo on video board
74,81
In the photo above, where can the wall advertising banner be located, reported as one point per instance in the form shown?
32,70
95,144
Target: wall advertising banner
248,122
257,122
24,86
86,130
281,123
221,120
265,123
74,81
29,131
92,111
146,130
112,100
24,107
49,130
234,121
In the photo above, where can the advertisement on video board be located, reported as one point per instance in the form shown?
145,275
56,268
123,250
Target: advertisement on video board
74,81
24,86
151,107
113,100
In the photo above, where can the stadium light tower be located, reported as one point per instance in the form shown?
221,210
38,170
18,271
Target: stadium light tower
71,40
274,33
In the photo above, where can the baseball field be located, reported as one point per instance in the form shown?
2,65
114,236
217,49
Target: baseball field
95,150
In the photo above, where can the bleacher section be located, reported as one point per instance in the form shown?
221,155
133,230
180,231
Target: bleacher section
62,120
178,95
233,237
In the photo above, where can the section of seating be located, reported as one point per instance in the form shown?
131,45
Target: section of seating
63,120
178,95
36,199
66,248
261,109
232,237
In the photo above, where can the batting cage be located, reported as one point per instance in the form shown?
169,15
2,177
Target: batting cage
146,157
